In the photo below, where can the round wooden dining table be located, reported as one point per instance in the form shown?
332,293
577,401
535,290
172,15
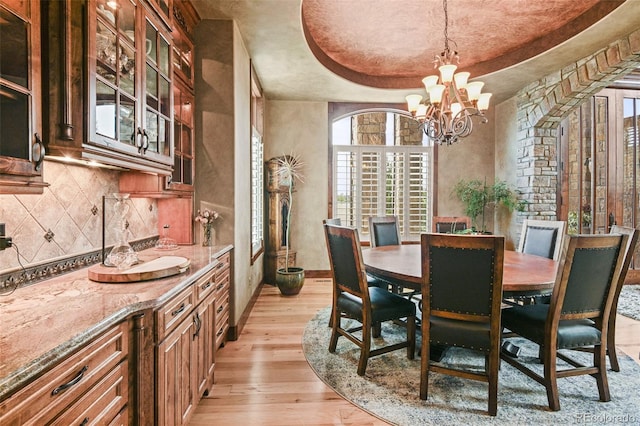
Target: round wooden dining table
523,274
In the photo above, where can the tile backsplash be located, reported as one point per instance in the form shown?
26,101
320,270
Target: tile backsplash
67,218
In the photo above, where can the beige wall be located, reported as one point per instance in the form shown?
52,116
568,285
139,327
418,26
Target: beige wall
301,128
469,158
506,164
223,142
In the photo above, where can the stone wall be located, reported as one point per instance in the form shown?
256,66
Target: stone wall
543,104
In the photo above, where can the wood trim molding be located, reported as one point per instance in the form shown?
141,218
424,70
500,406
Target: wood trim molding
234,331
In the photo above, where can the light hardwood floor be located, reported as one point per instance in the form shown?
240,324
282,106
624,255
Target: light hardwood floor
263,378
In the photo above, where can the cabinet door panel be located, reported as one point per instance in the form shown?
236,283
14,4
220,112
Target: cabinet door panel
20,92
176,375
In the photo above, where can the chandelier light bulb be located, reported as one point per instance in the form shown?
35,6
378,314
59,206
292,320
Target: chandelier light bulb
483,101
435,93
430,81
455,109
422,111
413,101
474,89
446,72
461,79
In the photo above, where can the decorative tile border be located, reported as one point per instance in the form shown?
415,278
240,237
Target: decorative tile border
33,274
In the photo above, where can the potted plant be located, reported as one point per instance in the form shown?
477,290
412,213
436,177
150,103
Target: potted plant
477,196
289,279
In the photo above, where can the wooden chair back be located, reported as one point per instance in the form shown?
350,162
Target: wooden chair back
542,237
461,303
384,231
589,272
345,259
450,224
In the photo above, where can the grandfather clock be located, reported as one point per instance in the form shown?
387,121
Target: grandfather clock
278,189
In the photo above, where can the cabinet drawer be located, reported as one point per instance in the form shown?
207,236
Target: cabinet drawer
222,318
122,419
102,403
223,266
222,325
173,312
222,283
205,286
42,400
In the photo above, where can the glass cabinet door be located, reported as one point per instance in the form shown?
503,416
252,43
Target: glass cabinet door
183,128
20,134
129,82
114,117
157,111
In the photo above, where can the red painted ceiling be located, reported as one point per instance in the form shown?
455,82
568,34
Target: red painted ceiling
392,43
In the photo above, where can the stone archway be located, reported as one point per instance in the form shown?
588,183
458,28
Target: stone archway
544,103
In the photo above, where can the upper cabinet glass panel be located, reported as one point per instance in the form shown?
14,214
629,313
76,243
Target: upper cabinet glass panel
20,117
131,84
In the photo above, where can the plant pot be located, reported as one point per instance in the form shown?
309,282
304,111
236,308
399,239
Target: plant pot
290,281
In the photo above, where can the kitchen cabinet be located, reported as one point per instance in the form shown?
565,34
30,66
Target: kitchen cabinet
88,387
21,147
222,285
140,353
180,182
126,88
190,328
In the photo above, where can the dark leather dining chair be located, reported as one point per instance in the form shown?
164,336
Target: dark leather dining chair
450,224
577,315
633,234
462,295
371,281
357,301
542,238
385,231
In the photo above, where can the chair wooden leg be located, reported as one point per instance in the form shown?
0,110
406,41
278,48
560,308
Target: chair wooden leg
377,329
424,369
411,337
492,373
365,349
551,379
335,320
611,343
599,360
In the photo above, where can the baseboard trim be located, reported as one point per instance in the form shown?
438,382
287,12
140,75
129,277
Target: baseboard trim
234,331
317,274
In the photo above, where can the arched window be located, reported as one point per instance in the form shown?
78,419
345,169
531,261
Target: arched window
381,165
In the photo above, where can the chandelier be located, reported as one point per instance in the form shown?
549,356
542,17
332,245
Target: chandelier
446,116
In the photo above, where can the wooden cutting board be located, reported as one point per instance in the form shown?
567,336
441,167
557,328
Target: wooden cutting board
160,267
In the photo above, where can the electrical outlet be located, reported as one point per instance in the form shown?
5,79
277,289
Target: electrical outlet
4,241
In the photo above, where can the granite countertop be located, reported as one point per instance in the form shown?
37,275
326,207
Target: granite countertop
41,324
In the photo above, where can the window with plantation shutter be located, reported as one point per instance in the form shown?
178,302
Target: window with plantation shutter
383,176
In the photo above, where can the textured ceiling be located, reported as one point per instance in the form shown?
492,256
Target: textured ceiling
379,50
392,43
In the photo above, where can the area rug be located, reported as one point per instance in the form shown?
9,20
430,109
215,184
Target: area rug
629,302
390,388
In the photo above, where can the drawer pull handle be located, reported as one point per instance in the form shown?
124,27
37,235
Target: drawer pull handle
220,286
198,322
85,421
220,309
72,382
220,332
177,311
206,285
